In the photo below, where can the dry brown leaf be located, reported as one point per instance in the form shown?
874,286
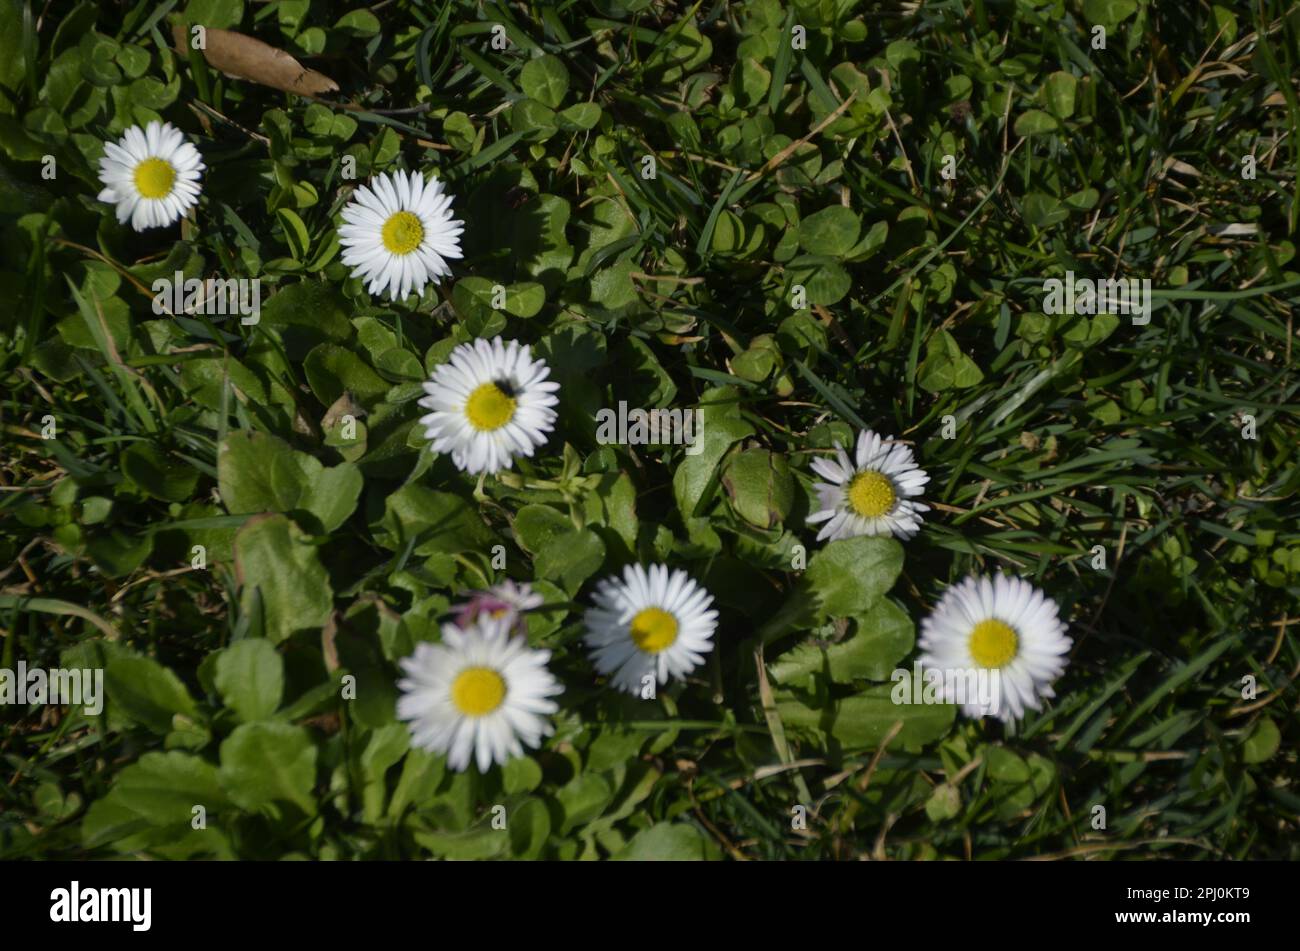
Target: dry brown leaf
245,57
329,649
345,405
1182,168
1241,229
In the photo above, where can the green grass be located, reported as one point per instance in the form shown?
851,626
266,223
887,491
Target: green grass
1067,432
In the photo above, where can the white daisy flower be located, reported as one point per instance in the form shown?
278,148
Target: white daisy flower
399,233
1002,625
151,174
651,623
480,692
490,402
506,600
873,497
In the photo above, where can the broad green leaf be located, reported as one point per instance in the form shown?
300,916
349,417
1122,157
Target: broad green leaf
274,558
582,116
526,299
434,521
295,233
269,762
614,747
760,486
145,691
400,363
862,721
50,801
530,827
1083,200
250,678
260,473
1018,781
755,364
1058,92
473,297
583,799
1225,24
1262,742
215,14
483,842
944,803
1005,766
158,474
97,54
531,117
751,81
833,231
421,773
872,650
459,131
118,553
358,23
669,842
12,53
1043,211
331,370
719,428
824,279
387,745
521,775
850,575
1108,13
107,821
164,788
536,526
570,559
545,79
1035,122
306,314
945,367
612,505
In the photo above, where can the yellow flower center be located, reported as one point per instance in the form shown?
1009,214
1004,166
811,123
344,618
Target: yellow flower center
993,643
653,630
489,407
403,233
477,691
871,494
154,177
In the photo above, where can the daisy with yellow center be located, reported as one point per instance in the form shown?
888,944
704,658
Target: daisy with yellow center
398,234
872,494
649,625
1002,626
480,695
151,175
489,403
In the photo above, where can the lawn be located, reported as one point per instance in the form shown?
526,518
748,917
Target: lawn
777,224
